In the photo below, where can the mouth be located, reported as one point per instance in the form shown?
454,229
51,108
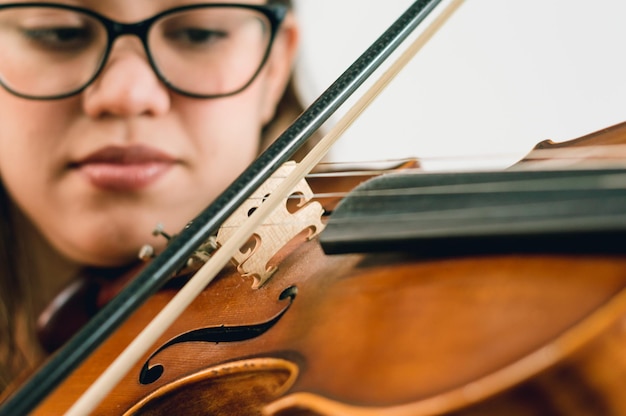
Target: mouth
125,169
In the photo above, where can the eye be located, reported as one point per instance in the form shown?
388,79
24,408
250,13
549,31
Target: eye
194,36
59,38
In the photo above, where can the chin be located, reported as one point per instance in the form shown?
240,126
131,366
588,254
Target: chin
114,236
102,256
106,252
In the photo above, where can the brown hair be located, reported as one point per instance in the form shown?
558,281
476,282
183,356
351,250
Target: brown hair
10,291
17,297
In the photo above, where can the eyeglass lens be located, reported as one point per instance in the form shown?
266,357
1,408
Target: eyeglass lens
209,51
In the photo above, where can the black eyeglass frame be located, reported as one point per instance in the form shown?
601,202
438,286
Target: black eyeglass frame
275,14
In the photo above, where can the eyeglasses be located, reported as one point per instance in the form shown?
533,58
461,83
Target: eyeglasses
52,51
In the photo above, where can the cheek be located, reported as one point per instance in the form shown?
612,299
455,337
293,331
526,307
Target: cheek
226,137
28,143
38,126
32,139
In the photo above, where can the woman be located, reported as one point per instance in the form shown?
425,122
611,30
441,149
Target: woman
94,154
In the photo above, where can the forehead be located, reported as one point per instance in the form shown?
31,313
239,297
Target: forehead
134,10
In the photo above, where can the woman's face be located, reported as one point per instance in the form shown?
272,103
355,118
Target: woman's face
97,172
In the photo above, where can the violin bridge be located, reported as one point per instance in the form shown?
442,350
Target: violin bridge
294,216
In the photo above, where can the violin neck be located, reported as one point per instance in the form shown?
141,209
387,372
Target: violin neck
482,212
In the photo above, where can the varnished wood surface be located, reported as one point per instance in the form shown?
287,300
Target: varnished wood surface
383,331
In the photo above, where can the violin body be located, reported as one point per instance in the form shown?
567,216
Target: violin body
383,334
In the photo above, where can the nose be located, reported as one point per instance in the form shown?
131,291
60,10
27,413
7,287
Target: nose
127,86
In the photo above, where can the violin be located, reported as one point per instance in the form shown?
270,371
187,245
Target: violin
490,321
389,332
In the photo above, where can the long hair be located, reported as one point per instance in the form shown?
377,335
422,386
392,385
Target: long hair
10,290
18,297
15,296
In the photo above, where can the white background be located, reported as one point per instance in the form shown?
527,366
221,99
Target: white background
500,76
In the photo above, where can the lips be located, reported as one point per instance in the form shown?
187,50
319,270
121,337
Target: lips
124,168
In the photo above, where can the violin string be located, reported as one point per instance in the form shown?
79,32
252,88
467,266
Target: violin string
608,152
525,210
608,181
528,209
587,160
615,152
613,181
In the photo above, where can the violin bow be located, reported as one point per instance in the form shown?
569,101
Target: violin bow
180,248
